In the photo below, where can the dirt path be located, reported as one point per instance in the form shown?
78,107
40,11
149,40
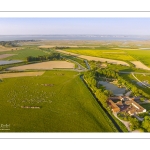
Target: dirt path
126,123
139,118
123,72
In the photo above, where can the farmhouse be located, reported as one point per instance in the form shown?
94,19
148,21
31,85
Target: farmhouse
113,106
127,105
135,108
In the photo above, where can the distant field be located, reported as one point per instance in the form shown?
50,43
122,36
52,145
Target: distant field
95,58
103,53
123,54
24,53
45,65
65,104
20,74
141,55
2,56
4,49
140,65
46,46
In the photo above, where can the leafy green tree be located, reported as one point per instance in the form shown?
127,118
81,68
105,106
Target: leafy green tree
142,99
135,124
146,123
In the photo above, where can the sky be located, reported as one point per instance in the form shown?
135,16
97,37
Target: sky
101,26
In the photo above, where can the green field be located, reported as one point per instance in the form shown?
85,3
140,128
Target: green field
104,53
118,54
66,105
141,55
143,77
24,53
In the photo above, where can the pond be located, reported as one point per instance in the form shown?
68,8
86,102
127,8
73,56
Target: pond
111,87
5,62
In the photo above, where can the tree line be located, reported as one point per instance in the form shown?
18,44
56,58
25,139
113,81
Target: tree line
8,44
61,47
52,56
100,92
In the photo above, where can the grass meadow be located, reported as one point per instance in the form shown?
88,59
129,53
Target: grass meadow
66,105
23,53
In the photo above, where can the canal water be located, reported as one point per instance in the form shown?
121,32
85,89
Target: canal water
5,62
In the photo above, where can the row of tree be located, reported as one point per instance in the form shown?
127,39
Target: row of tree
8,44
61,47
52,56
100,92
144,125
135,123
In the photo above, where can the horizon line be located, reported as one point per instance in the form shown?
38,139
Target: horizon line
76,34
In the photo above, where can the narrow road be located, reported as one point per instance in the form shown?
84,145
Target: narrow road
145,102
87,64
138,118
126,123
80,67
124,72
140,81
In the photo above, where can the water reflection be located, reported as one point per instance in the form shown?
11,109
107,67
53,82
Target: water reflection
111,87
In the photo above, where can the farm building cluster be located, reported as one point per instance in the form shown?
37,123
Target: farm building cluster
125,104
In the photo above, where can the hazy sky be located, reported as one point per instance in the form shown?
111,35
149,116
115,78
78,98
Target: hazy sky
104,26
